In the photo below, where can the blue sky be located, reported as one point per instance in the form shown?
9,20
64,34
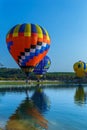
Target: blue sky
65,20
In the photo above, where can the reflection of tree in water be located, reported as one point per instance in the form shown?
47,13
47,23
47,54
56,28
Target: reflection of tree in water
80,97
27,117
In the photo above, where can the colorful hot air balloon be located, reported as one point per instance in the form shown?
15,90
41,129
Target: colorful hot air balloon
80,68
42,67
28,44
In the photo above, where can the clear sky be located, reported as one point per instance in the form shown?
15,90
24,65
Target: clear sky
65,20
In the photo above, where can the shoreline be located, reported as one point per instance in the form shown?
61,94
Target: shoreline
23,82
42,82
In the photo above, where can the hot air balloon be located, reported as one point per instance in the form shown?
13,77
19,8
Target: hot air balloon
42,67
28,44
80,68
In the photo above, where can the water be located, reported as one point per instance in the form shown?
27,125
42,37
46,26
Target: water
44,108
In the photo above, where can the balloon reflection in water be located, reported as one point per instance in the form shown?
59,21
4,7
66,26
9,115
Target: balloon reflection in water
80,96
41,100
27,116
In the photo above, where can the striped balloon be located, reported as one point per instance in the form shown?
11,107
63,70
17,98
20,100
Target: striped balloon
28,44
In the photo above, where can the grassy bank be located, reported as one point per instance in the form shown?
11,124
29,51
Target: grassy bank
23,82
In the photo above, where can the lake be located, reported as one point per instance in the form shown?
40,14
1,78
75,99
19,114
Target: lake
47,107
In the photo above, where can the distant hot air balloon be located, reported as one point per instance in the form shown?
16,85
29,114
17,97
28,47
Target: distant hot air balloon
42,67
80,68
28,44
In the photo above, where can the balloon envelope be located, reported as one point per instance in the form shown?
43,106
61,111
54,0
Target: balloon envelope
43,66
28,44
80,68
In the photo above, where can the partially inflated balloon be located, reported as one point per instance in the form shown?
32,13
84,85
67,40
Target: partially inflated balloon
79,68
28,44
43,66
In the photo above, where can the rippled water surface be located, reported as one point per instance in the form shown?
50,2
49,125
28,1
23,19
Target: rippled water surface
44,108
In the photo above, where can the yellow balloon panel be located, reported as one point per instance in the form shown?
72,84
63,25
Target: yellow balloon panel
80,73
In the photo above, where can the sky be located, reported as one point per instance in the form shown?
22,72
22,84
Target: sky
65,21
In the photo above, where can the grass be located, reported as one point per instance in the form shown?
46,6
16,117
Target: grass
30,82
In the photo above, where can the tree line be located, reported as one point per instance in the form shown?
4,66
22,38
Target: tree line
18,74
